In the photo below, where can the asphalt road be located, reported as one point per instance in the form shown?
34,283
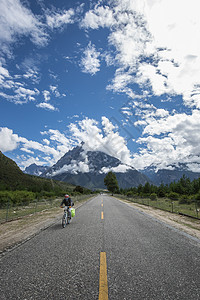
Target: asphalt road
146,259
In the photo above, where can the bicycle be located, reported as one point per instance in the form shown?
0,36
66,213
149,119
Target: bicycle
66,216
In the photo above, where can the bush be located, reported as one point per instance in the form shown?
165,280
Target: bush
4,198
173,196
184,200
153,196
16,197
197,197
161,193
129,194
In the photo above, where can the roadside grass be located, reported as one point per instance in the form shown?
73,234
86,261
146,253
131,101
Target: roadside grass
11,212
167,205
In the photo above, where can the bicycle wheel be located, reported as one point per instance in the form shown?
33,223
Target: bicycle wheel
68,218
64,221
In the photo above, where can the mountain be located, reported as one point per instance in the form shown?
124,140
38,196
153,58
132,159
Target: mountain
10,173
35,170
12,178
167,176
89,168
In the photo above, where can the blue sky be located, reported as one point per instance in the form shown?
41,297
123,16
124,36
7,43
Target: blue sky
123,76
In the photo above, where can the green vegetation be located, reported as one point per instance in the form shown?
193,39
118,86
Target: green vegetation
18,188
182,190
111,182
14,211
182,196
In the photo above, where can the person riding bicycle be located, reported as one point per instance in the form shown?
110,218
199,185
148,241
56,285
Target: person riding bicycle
67,201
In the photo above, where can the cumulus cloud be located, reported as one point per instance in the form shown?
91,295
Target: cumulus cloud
105,139
90,62
8,140
170,141
157,47
17,20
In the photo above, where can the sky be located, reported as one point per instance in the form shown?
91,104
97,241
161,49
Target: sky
121,76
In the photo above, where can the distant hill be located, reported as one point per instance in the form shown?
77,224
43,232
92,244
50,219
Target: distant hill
89,168
167,176
12,178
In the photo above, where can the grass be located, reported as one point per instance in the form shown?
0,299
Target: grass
15,212
167,205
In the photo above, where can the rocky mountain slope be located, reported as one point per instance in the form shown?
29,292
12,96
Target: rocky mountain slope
89,169
35,170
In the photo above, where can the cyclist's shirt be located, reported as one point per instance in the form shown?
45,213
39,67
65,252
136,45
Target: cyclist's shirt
67,202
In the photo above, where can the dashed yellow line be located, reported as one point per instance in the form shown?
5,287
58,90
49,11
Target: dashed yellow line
102,204
102,216
103,282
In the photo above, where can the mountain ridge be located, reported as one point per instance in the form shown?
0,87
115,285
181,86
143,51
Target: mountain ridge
88,169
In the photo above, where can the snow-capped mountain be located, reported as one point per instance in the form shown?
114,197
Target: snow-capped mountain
89,168
35,170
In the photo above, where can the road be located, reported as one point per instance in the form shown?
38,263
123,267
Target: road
140,258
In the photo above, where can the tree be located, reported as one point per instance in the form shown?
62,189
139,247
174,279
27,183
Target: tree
111,183
79,189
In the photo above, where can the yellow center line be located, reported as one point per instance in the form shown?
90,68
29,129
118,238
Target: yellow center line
102,204
102,215
103,282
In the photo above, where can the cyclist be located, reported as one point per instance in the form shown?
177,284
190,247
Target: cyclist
67,201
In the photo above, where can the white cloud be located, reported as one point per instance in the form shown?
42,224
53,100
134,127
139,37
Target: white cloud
17,20
20,95
8,140
27,161
73,168
32,75
3,72
46,141
26,150
170,141
57,20
119,169
46,95
99,17
90,62
156,46
54,90
46,106
106,139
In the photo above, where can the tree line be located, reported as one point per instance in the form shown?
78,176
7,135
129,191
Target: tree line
183,190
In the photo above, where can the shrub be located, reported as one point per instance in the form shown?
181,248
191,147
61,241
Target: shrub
153,196
173,196
129,194
184,200
197,197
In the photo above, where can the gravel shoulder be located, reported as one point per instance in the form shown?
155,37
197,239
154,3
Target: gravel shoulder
19,231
